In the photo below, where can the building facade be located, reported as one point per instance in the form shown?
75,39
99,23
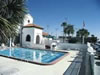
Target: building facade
31,34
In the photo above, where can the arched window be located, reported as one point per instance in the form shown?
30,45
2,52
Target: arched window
28,38
37,39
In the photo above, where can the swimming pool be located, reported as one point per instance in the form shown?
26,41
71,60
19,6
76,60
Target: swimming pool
32,55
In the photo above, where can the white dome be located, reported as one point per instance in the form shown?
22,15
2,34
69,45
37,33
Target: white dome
28,19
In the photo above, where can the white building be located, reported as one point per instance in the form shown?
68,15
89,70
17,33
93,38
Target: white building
32,34
28,19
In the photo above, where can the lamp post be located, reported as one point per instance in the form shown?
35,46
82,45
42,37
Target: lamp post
56,32
83,28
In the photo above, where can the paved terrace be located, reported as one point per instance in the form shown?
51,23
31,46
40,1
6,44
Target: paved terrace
75,66
15,67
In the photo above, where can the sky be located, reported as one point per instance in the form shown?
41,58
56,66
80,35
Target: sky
51,13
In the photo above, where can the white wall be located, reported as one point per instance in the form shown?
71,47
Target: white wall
38,32
33,32
47,41
66,46
27,31
26,18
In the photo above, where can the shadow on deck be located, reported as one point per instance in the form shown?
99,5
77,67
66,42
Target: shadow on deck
74,68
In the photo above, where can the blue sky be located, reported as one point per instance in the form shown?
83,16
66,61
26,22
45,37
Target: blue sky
53,12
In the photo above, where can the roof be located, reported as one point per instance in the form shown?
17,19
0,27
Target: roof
33,25
45,34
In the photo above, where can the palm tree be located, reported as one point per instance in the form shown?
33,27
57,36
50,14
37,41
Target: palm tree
69,29
83,33
11,15
64,25
93,39
3,29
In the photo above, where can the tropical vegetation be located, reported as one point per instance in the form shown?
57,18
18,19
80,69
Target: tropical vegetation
11,15
68,29
82,32
64,24
92,39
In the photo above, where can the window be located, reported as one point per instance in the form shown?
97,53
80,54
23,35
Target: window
28,38
28,21
37,39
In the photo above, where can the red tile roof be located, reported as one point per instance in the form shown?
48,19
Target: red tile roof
33,25
45,34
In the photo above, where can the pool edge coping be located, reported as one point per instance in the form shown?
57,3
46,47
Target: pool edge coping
38,63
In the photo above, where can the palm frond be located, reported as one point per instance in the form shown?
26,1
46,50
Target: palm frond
11,15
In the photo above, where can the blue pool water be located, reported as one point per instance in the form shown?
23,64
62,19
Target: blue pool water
40,56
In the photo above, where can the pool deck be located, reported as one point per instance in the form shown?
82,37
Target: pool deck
15,67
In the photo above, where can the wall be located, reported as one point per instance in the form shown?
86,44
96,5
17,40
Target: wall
47,41
33,32
91,53
25,32
65,46
38,32
35,46
26,18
